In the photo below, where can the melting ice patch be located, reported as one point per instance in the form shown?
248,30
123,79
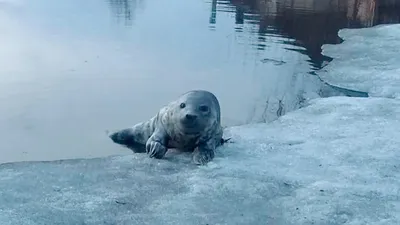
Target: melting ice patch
335,161
367,60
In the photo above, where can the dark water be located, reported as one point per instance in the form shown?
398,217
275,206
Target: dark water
73,69
310,23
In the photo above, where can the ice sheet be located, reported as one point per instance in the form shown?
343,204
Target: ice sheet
367,60
333,162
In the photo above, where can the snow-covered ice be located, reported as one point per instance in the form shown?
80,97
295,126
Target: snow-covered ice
367,60
335,161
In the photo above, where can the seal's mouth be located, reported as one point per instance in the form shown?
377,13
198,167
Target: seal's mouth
189,120
190,127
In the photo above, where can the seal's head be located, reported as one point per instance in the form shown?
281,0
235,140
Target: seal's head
196,111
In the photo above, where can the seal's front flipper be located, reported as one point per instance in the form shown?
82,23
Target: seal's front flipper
202,156
126,137
155,149
156,145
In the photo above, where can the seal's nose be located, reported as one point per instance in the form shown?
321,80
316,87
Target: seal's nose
190,117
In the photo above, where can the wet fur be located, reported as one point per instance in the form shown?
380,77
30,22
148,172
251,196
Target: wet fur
165,126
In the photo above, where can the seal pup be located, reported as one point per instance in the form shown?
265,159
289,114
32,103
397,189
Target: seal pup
190,123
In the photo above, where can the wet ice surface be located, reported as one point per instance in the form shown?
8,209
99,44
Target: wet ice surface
333,162
366,61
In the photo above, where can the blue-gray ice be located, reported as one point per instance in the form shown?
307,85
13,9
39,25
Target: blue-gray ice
335,161
367,60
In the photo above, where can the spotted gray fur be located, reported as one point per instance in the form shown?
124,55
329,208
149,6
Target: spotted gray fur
190,123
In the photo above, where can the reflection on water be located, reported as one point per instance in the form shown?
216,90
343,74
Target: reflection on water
125,9
310,23
73,69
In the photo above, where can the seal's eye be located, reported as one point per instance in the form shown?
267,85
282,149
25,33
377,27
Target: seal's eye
182,105
203,108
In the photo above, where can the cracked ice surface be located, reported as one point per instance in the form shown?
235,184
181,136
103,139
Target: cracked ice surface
332,162
367,60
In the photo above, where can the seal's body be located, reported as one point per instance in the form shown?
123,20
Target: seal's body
190,123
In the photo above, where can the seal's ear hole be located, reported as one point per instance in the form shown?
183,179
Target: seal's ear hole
203,108
183,105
